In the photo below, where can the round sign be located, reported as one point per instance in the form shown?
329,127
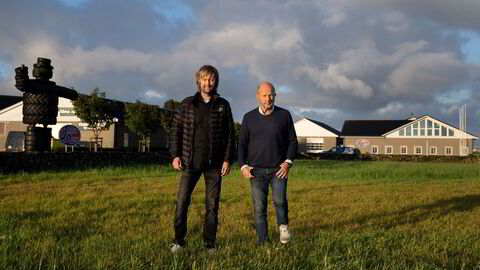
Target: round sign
69,135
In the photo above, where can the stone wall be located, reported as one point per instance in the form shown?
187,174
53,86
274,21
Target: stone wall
11,162
474,158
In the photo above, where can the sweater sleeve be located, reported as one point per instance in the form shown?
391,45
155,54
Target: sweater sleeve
292,139
243,139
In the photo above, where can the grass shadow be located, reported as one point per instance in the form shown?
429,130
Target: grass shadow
412,214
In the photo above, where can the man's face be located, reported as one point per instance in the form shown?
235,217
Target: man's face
207,82
266,97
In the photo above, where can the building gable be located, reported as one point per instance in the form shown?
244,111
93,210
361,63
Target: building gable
428,127
305,127
12,113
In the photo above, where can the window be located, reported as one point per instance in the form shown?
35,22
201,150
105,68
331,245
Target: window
401,132
388,149
314,145
429,132
422,132
409,132
374,149
444,131
433,150
415,132
2,128
422,124
403,150
450,132
418,150
437,129
448,151
429,123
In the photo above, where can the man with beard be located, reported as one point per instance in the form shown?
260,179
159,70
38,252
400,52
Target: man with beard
202,142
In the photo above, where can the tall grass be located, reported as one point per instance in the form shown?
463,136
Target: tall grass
343,215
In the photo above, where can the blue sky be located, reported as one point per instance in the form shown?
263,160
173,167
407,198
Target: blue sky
471,48
331,60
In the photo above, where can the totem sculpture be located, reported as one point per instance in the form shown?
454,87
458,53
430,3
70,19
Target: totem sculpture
40,103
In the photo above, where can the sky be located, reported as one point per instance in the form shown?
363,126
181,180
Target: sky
330,60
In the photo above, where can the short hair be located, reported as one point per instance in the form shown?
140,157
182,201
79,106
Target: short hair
266,82
207,70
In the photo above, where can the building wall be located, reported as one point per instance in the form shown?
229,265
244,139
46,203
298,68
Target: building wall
328,142
410,143
158,140
107,135
9,126
115,137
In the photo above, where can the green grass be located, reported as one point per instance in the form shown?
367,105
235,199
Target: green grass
343,215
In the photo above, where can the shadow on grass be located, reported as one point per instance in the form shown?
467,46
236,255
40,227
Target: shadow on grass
412,214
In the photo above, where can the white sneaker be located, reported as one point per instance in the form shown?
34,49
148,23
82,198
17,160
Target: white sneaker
175,248
284,234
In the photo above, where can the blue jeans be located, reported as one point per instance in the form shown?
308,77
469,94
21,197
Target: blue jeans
264,178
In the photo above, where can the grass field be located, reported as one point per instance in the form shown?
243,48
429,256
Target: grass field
343,215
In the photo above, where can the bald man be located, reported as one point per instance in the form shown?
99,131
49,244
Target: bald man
267,146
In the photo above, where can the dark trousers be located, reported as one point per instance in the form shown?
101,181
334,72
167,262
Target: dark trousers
188,182
263,179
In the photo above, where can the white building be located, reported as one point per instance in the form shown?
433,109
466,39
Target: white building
315,137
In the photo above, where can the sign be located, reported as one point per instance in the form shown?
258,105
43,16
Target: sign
362,143
69,135
66,111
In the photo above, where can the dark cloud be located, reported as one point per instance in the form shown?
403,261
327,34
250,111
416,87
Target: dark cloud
330,60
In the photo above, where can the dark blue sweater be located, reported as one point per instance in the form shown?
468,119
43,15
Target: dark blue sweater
266,141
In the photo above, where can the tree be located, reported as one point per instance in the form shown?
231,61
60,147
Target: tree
95,111
236,127
142,119
168,114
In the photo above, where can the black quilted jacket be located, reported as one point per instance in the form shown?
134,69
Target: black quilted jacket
222,145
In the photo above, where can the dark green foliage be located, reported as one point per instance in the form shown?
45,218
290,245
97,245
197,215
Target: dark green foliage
167,116
142,119
95,110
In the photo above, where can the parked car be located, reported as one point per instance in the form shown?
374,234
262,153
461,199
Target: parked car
15,141
341,152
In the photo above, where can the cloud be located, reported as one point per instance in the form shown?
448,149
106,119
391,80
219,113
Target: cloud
152,94
338,59
391,109
423,74
332,79
396,22
335,19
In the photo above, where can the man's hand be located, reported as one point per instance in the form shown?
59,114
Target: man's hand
225,168
283,172
177,164
247,173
